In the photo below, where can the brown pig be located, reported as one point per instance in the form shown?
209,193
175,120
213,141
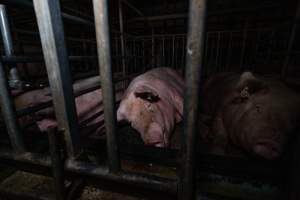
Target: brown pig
255,113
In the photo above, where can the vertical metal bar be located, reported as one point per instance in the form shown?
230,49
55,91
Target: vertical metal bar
183,53
153,48
56,163
244,45
52,37
173,51
218,51
143,52
102,35
229,52
194,60
8,44
134,54
293,35
9,113
122,37
163,50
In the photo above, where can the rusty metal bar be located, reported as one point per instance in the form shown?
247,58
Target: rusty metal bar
32,161
194,61
9,113
53,43
8,46
122,37
293,35
104,57
56,163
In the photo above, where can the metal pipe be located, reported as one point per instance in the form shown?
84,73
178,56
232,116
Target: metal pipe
52,37
153,49
8,45
293,35
194,61
122,37
103,43
56,163
133,8
245,31
9,113
39,59
71,18
31,161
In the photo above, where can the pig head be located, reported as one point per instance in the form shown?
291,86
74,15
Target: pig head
256,114
152,104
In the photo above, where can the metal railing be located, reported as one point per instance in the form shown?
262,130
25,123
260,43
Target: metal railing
51,30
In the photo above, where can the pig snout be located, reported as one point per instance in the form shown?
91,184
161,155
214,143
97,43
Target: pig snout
154,136
269,146
267,149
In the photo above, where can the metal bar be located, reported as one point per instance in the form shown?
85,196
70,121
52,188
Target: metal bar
56,163
38,59
9,113
194,60
8,45
293,35
103,43
52,37
163,51
31,161
122,37
71,18
244,45
153,49
173,51
133,8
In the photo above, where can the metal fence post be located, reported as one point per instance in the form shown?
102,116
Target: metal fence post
8,45
52,37
9,113
104,57
194,60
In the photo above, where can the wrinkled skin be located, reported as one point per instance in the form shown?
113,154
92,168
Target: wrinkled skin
87,106
256,114
152,104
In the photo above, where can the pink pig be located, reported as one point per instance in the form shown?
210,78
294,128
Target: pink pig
152,104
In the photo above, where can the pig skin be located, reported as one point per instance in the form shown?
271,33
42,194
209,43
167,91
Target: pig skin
152,104
254,113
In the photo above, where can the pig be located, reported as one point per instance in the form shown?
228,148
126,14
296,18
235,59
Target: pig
87,107
254,113
152,104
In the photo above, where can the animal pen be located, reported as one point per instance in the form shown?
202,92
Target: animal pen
118,52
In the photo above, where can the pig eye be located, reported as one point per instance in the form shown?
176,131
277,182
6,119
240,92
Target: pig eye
147,96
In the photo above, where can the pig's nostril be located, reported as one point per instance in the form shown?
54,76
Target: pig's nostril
267,149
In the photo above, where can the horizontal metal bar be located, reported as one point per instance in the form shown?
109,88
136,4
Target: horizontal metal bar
39,59
90,84
67,38
133,8
71,18
30,161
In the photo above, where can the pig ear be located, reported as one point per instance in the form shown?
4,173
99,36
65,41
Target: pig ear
249,84
146,94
